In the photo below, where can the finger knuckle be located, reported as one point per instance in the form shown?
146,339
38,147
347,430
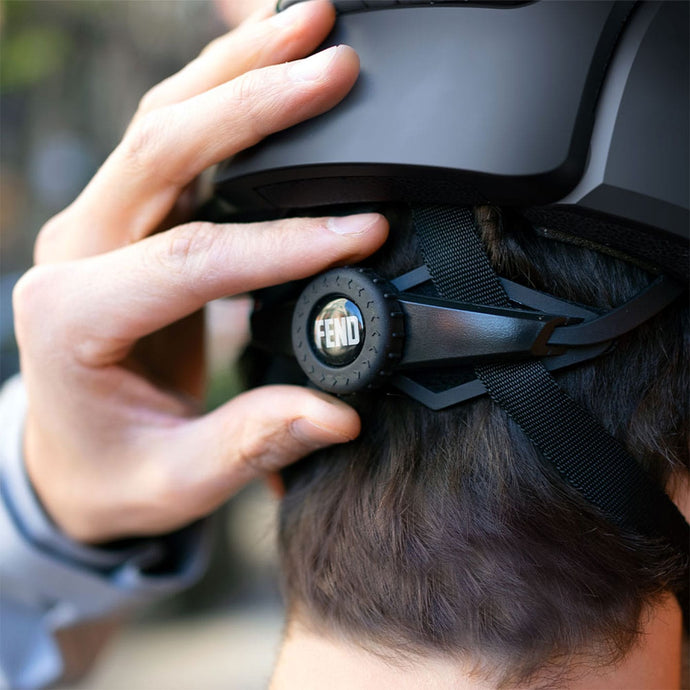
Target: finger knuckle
151,100
32,299
258,453
143,144
49,237
287,232
255,100
212,46
187,247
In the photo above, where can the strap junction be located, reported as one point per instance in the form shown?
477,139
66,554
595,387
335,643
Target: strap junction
555,338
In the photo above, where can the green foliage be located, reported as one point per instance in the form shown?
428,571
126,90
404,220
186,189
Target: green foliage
31,54
223,386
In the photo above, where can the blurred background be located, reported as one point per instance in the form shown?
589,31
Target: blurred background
71,75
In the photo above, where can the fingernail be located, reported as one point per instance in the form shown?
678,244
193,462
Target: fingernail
352,225
291,15
311,434
312,68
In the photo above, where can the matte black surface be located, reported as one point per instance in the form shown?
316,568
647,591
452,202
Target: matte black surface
577,112
638,168
505,96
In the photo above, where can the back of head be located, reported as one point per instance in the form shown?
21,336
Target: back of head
448,531
445,532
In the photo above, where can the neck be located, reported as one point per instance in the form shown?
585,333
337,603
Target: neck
311,661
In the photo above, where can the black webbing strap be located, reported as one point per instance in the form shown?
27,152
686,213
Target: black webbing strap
583,453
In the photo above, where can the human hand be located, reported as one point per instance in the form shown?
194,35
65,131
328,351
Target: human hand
108,321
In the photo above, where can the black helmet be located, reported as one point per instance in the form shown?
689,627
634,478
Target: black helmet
575,112
575,115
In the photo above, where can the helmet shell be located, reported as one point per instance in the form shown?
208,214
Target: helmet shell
576,112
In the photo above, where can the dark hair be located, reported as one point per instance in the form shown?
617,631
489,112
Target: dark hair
447,533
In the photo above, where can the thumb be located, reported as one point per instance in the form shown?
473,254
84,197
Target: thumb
256,433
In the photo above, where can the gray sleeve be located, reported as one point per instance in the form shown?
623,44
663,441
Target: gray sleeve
48,581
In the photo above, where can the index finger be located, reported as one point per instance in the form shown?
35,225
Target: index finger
141,180
254,44
139,289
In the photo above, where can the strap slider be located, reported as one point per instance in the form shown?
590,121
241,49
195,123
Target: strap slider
541,347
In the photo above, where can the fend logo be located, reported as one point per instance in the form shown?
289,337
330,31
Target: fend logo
337,332
340,332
